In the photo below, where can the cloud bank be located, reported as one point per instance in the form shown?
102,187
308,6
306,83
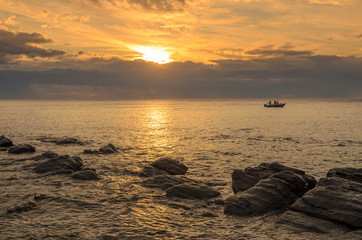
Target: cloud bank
292,76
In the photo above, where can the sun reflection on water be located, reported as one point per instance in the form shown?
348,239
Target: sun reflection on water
156,121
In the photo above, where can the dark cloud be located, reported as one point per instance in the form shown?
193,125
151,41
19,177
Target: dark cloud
301,76
359,36
160,5
153,5
278,52
15,44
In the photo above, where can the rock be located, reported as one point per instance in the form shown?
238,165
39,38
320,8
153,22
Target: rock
59,164
164,166
22,148
334,199
86,175
172,166
27,206
149,171
272,194
354,174
191,190
243,180
66,141
5,142
108,149
89,151
166,181
301,222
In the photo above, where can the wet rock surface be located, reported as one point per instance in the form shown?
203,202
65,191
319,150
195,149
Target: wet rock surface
61,140
22,148
166,181
60,164
5,142
243,180
271,194
334,205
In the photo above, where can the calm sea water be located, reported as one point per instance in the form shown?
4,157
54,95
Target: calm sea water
213,136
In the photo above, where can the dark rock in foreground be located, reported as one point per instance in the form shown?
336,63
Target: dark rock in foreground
149,171
335,205
192,190
61,164
108,149
86,175
353,174
275,193
22,148
5,142
243,180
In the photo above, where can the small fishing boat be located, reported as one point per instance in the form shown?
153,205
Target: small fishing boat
274,104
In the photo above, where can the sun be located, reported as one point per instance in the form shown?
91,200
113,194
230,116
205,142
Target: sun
154,54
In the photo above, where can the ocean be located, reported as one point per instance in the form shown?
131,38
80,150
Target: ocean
213,137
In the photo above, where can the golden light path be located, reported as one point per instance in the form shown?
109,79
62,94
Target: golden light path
154,54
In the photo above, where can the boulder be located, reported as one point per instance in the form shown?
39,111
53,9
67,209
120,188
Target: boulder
60,164
243,180
334,206
275,193
192,190
335,199
86,175
353,174
22,148
5,142
172,166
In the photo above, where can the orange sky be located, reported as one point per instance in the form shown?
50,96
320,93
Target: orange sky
198,31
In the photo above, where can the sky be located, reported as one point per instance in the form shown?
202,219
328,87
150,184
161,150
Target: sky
159,49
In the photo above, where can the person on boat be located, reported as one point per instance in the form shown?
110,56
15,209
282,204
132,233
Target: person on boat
275,102
269,102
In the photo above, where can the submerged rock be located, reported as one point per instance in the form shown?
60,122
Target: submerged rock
5,142
86,175
149,171
243,180
108,149
192,190
67,141
59,164
24,207
271,194
335,205
22,148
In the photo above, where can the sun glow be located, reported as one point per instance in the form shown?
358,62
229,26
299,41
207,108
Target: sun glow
154,54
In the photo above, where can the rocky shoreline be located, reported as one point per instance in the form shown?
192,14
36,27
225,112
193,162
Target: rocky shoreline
331,205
